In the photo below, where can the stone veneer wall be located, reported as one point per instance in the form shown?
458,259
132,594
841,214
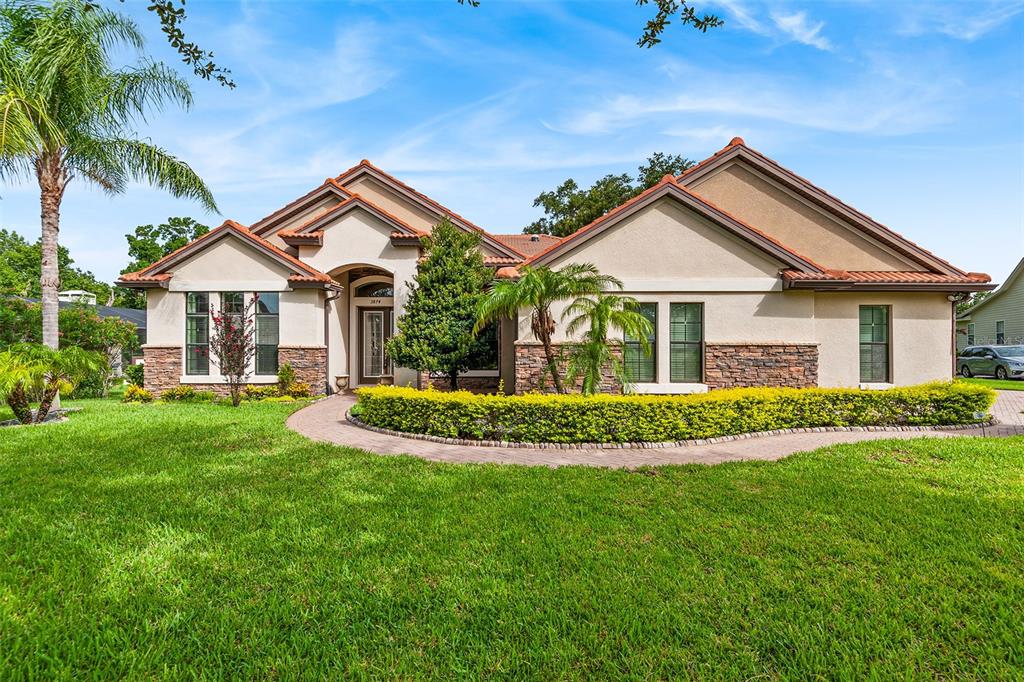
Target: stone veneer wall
531,365
744,364
163,368
309,363
472,384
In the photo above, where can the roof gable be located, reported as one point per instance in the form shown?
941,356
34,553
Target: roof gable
738,152
329,188
1015,278
364,168
668,188
161,272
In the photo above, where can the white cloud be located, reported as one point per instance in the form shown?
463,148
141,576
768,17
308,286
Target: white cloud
742,15
958,20
797,27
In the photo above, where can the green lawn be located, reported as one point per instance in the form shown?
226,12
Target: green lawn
998,384
160,540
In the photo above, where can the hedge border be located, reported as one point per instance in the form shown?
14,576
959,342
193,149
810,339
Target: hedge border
656,445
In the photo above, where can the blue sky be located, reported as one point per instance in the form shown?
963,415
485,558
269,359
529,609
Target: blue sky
909,112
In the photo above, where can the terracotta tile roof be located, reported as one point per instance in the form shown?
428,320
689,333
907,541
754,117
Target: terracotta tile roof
437,206
527,244
501,260
886,277
287,208
353,200
902,243
153,272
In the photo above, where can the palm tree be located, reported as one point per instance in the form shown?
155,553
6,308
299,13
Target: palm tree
66,113
27,369
602,314
538,288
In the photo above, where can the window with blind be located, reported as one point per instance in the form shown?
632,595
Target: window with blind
874,343
970,334
1000,332
686,328
638,365
197,333
267,332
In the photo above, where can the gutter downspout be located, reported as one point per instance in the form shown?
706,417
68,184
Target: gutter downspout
954,301
327,337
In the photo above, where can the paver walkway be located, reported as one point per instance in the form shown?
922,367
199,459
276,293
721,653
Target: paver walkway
325,421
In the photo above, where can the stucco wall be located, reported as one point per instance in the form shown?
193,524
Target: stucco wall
920,330
304,216
230,265
359,238
396,205
797,224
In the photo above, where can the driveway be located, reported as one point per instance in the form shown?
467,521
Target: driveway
325,421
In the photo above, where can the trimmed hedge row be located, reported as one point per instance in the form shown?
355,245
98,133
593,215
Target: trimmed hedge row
536,418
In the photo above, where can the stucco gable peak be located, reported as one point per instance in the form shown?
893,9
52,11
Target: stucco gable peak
737,151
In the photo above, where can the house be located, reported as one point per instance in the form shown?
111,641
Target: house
76,296
998,318
752,275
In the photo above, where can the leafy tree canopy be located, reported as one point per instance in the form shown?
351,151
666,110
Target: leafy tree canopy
20,265
435,334
568,207
148,244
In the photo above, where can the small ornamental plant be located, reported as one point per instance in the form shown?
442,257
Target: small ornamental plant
232,346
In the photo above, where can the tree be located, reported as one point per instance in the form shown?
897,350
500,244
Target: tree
568,208
602,314
232,344
435,334
971,300
70,113
150,243
20,269
538,288
33,368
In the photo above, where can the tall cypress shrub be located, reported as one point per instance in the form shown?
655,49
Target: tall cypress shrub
435,333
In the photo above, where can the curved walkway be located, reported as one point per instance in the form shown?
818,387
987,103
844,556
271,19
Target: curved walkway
325,421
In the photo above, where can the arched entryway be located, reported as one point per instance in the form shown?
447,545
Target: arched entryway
366,320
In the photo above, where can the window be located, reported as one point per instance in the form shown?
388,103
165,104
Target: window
874,343
640,366
267,328
1000,333
197,333
686,336
970,333
375,290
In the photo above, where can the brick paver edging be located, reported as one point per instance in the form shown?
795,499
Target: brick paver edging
660,444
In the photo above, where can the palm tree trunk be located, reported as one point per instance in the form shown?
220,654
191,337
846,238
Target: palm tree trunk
549,351
52,180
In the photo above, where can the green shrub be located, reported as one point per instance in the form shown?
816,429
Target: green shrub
92,385
137,394
260,392
188,394
279,399
285,378
134,374
299,389
536,418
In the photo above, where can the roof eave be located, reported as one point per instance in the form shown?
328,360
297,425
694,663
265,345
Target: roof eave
846,285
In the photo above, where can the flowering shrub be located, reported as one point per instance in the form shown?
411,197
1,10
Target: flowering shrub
299,389
137,394
536,418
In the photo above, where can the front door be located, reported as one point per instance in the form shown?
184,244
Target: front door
374,331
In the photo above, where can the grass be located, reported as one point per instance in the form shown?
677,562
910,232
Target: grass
998,384
168,539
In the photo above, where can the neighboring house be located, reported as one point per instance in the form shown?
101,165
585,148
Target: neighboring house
135,317
752,275
77,296
998,318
